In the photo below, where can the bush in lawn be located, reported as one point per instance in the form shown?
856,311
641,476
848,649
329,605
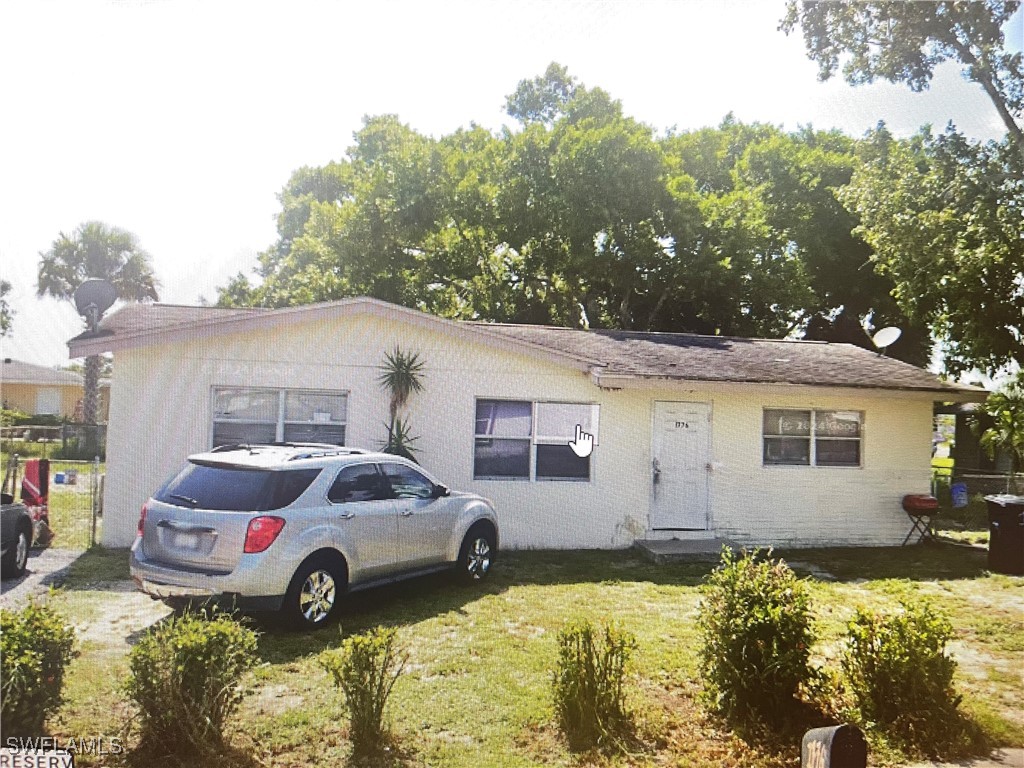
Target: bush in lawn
366,668
900,677
184,677
588,683
756,635
36,645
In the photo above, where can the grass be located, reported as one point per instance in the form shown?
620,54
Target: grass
477,687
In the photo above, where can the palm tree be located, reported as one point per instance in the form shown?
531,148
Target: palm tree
101,251
1006,407
401,376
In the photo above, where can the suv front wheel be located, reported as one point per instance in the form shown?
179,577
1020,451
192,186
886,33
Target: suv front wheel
477,553
313,596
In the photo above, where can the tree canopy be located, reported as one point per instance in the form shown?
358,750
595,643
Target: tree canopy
945,218
580,215
6,313
904,41
96,250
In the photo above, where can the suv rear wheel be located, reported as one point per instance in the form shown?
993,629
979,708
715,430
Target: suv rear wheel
313,596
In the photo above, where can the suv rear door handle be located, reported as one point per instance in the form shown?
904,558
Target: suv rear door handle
406,512
346,515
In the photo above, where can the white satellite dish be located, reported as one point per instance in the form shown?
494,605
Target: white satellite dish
885,337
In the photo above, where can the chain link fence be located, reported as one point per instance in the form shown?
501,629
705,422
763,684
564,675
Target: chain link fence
74,496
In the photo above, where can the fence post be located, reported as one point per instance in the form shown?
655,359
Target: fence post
11,476
94,493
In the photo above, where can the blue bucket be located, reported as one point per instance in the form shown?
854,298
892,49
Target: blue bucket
960,497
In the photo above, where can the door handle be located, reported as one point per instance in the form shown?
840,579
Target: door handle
407,513
346,515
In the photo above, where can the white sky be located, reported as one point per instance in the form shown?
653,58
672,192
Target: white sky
181,121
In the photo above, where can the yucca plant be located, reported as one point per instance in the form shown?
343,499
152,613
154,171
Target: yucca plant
401,376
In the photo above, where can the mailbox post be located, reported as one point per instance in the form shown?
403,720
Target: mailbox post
838,746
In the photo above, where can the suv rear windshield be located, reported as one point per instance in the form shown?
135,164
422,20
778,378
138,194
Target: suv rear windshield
235,489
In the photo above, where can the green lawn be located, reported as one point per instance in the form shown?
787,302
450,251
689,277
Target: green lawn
476,689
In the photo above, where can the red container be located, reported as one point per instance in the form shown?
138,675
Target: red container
920,504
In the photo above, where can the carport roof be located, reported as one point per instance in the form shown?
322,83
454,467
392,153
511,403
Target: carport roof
613,358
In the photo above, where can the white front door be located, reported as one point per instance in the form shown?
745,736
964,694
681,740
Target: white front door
680,453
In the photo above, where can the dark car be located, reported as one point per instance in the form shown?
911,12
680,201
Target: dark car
15,537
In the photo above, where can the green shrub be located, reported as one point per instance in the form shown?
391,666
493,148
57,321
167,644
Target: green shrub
900,677
756,634
184,678
36,645
366,668
588,683
9,416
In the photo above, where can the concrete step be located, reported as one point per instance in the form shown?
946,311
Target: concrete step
683,550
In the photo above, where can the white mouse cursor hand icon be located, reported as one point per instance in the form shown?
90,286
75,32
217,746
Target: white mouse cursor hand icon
583,445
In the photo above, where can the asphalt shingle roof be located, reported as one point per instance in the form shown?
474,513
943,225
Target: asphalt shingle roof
722,358
680,356
18,372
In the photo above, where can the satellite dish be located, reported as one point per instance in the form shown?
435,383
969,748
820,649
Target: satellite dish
885,337
94,297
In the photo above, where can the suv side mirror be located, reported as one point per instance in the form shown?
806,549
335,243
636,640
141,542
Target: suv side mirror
439,491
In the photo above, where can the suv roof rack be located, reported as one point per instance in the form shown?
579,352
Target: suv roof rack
326,452
316,449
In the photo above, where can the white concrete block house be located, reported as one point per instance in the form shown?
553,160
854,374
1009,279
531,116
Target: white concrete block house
787,443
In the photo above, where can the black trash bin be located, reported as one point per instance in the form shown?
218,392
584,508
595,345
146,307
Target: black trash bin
1006,534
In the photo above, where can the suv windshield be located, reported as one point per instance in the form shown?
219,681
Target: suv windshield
235,489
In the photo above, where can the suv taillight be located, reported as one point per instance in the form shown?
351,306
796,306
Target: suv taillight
142,517
261,532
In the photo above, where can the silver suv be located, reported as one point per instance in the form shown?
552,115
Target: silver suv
293,526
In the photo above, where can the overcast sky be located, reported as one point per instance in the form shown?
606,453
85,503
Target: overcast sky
181,121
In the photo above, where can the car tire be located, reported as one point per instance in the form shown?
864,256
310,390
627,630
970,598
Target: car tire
476,554
315,593
16,560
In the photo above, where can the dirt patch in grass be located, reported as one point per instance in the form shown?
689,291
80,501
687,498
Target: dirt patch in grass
119,616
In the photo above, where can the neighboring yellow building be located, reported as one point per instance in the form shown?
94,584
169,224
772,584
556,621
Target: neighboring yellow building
38,390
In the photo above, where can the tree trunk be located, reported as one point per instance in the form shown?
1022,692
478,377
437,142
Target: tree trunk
90,403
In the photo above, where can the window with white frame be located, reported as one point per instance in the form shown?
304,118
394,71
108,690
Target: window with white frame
261,415
526,440
812,438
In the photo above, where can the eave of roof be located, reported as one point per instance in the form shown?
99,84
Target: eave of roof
613,358
115,334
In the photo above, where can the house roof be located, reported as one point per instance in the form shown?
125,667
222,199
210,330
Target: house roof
609,356
692,357
18,372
